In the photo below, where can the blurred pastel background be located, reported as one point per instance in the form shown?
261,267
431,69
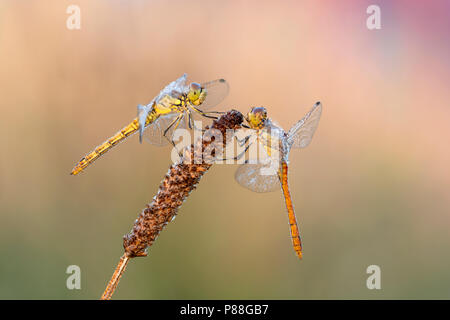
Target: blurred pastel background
371,189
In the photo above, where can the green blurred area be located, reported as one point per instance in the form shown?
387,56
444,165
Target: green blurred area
372,188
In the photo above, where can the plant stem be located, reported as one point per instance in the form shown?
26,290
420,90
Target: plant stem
112,285
181,179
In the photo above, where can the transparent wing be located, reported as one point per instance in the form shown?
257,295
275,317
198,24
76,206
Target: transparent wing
173,89
257,177
143,112
272,136
154,133
300,135
260,172
216,91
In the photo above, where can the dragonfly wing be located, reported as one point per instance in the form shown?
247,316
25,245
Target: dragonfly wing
174,89
143,112
257,177
216,91
154,133
300,135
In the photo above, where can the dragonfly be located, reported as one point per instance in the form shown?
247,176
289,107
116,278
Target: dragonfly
266,173
178,105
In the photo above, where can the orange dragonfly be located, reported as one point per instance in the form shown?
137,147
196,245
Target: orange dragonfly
270,169
176,106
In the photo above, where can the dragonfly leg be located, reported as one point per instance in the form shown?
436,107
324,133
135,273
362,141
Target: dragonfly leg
243,141
191,123
239,156
217,112
175,122
207,114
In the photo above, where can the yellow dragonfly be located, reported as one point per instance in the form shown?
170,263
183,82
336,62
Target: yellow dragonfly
270,169
176,106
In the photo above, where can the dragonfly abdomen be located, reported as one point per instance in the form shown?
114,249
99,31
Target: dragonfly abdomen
295,234
106,146
127,131
120,136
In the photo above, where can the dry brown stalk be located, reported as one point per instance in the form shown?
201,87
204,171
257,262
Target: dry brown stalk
180,180
111,287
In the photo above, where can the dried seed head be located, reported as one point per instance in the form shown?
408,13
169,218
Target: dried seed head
180,180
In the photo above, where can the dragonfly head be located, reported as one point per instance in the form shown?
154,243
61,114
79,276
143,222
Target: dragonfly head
196,94
257,117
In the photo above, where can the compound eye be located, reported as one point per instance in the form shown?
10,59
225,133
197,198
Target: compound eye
195,86
259,111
